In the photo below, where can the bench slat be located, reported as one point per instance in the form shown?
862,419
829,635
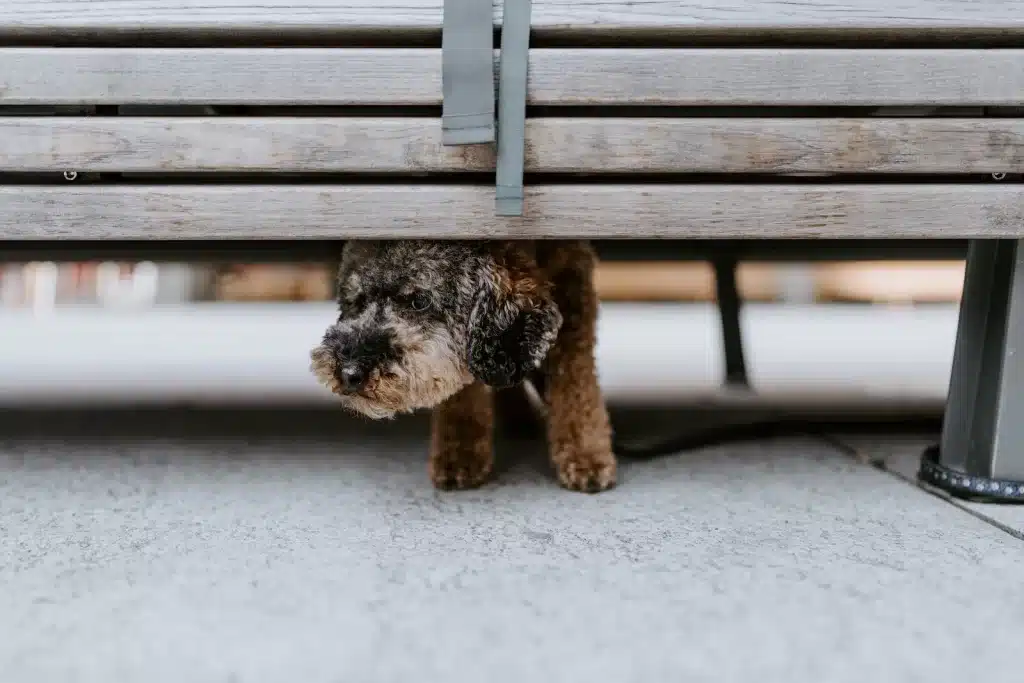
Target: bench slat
554,145
319,76
41,17
148,212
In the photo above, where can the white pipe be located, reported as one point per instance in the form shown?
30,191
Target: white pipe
647,353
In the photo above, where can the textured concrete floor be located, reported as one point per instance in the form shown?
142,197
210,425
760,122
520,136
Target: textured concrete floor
278,548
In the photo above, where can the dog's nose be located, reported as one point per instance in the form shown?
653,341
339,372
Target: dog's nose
352,379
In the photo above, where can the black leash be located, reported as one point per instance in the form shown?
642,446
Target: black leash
767,427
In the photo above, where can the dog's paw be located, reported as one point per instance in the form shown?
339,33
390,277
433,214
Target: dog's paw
591,473
459,473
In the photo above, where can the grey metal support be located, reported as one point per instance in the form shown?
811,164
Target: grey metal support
970,338
515,57
467,72
983,431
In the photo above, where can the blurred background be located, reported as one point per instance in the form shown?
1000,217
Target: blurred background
48,285
874,334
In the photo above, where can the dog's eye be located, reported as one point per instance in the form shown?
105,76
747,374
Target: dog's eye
419,301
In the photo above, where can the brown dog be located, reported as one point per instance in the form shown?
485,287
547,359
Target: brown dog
441,324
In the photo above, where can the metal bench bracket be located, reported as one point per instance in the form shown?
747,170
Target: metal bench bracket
467,72
515,50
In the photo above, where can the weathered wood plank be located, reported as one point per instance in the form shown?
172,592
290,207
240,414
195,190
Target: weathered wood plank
242,76
56,17
554,145
782,77
767,145
172,212
342,77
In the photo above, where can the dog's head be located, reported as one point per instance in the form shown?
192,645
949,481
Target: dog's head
419,320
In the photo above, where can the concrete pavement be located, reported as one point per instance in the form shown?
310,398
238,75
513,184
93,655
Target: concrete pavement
291,547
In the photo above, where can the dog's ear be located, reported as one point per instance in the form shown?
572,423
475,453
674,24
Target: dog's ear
513,324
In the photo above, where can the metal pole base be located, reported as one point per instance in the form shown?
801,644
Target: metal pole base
965,486
981,454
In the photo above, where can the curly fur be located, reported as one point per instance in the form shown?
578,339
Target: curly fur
438,324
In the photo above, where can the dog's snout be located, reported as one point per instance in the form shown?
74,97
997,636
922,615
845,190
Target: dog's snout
352,378
359,355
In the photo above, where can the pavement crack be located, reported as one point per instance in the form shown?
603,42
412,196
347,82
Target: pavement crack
880,464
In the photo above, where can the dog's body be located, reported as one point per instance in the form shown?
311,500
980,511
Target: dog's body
441,324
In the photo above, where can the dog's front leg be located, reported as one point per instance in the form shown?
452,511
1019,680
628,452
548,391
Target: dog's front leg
461,455
579,430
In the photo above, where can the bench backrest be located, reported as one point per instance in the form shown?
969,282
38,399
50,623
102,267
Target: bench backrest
321,119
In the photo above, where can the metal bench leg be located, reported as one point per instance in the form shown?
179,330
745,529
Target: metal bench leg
981,452
728,297
970,339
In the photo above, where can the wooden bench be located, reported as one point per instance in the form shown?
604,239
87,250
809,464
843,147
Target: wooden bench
736,119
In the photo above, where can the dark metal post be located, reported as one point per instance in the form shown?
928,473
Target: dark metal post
729,309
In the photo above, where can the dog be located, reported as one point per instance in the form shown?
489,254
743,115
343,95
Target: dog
443,324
